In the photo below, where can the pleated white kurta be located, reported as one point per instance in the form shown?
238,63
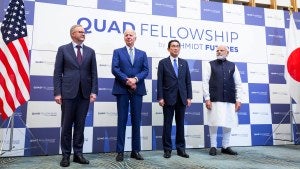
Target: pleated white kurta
222,113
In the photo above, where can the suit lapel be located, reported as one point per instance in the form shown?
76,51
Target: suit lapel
125,52
170,66
180,67
85,54
73,54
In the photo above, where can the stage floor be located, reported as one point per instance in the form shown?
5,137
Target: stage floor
259,157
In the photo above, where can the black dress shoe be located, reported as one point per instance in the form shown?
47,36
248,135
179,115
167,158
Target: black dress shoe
120,157
229,151
213,151
65,161
167,154
183,154
80,159
136,155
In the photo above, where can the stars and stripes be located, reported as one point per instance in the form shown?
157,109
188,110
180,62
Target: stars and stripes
14,60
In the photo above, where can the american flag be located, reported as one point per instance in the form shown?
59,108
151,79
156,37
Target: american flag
14,60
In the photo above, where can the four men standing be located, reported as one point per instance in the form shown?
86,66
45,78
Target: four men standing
76,85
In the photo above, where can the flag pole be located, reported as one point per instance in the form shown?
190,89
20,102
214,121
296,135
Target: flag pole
292,118
11,126
290,8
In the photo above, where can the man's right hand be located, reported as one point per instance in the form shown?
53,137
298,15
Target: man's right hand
208,104
58,99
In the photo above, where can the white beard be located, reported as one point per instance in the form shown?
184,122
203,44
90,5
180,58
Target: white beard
221,57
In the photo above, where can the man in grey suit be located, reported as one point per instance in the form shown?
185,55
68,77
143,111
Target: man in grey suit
75,84
130,68
174,93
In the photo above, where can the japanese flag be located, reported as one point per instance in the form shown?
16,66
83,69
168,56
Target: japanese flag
292,64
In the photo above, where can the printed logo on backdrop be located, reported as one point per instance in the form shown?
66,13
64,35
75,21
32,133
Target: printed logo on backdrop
112,5
279,112
243,114
104,139
154,91
259,93
276,74
242,67
29,12
164,8
90,115
260,113
194,136
146,115
296,19
260,134
192,36
254,16
212,11
104,89
275,36
41,88
157,137
105,114
195,67
194,114
46,140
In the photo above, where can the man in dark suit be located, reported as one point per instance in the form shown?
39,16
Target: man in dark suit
174,93
75,84
130,68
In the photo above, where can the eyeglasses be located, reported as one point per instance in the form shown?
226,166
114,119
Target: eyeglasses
220,50
80,31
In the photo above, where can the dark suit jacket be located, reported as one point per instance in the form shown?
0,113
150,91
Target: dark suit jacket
122,69
68,74
168,84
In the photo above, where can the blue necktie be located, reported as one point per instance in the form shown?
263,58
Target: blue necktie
131,55
175,67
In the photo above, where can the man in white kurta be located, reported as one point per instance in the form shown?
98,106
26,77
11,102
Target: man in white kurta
222,90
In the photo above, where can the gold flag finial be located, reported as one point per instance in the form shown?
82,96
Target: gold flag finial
290,10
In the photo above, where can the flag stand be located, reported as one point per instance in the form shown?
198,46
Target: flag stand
10,126
292,122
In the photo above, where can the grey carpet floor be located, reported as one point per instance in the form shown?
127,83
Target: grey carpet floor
259,157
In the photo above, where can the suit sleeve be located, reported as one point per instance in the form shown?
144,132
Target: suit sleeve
188,82
160,74
115,68
145,69
94,74
58,71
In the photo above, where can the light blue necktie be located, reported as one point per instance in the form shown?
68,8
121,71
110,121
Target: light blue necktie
131,55
175,67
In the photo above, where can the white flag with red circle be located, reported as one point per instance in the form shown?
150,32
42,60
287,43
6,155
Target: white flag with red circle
292,64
